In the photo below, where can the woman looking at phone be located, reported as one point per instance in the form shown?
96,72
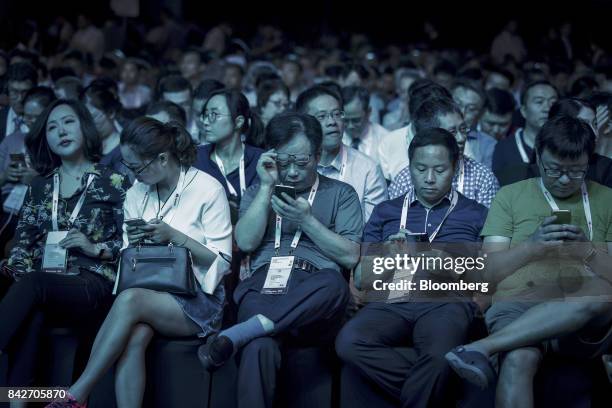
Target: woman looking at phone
183,206
70,224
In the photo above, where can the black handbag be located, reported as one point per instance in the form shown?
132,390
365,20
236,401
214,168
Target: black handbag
164,268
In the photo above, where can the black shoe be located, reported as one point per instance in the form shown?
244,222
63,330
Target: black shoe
216,351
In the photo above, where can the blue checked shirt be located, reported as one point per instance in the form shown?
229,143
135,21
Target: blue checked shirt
479,183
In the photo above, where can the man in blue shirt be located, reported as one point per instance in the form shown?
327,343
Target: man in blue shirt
432,327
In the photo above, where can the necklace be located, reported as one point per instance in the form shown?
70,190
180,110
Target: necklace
66,172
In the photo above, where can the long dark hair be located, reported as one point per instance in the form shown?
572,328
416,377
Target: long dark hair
149,137
43,159
238,105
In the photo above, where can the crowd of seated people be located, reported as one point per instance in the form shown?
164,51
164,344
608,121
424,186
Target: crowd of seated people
380,152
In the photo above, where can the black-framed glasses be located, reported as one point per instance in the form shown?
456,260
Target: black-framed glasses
137,171
557,173
300,160
212,116
335,115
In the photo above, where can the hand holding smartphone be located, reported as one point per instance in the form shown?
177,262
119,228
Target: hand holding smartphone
281,188
18,159
563,217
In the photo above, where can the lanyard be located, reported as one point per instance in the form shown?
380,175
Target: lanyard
461,180
344,163
77,207
241,174
177,196
585,203
298,233
410,197
518,138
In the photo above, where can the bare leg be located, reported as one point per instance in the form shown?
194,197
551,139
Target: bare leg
515,383
158,310
130,373
542,322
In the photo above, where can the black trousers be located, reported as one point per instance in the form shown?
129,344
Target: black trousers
311,313
376,374
39,297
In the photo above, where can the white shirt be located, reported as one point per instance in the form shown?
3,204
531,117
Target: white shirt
370,140
393,151
202,213
361,173
10,123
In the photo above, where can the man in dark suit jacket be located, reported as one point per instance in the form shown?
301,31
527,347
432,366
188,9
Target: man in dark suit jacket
21,77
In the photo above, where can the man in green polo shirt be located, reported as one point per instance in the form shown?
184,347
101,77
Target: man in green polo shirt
552,272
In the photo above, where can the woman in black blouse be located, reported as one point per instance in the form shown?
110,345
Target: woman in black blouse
86,219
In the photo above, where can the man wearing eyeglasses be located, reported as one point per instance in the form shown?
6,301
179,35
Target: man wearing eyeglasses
359,131
299,246
338,161
472,179
552,272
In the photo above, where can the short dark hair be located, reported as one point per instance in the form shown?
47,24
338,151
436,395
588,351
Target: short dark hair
207,87
503,72
566,137
21,72
426,117
435,137
72,85
43,95
462,83
149,137
499,102
269,87
349,93
422,90
303,99
173,83
174,111
354,67
533,84
43,159
284,127
569,107
102,98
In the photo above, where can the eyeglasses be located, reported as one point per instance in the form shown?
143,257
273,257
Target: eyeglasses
212,116
141,169
300,160
279,104
463,129
335,115
556,173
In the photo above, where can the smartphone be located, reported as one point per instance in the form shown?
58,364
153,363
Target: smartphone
135,222
421,239
563,216
281,188
18,158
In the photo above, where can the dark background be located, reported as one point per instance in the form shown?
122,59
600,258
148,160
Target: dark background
461,23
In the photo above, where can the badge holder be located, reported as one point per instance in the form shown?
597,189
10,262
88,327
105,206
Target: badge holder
55,258
279,272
